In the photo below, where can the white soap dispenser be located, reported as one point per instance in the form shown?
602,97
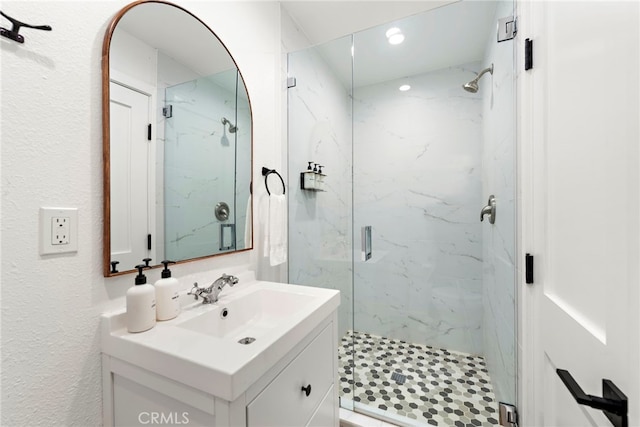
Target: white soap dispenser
309,179
141,304
320,179
167,300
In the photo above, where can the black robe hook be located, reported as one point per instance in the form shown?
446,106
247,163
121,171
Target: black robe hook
13,33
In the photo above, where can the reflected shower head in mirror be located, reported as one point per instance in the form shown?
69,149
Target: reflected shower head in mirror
472,86
232,128
224,140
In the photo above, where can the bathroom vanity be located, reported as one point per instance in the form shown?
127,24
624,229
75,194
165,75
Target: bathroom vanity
264,355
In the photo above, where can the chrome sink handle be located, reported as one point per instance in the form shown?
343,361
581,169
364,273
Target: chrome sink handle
490,210
197,291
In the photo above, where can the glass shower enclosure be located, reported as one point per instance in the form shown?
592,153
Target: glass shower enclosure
410,158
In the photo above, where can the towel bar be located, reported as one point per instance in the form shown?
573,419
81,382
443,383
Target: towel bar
266,172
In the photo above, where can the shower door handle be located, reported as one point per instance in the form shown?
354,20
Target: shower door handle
490,210
366,243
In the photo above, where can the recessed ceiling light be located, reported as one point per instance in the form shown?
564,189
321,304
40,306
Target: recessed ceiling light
404,88
394,35
396,39
392,31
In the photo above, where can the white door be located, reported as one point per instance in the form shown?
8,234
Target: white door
129,176
585,189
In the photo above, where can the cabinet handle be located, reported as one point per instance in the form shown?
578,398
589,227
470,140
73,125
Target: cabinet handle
307,390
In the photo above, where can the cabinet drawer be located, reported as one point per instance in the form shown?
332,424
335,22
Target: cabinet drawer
326,414
283,403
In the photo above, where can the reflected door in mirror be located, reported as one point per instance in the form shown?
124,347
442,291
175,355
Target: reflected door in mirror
129,175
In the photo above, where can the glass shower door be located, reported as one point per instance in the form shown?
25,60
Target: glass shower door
434,306
320,222
427,318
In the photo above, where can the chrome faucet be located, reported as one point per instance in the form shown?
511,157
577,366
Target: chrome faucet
211,293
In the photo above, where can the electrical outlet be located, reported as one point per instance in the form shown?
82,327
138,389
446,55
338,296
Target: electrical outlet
58,230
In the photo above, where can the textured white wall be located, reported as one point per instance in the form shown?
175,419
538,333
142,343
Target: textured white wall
51,156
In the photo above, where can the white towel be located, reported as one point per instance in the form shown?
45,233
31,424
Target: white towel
248,226
276,232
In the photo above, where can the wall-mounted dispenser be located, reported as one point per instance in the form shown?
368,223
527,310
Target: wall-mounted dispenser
312,179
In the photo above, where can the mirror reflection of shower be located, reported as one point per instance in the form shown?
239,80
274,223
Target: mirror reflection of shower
232,129
472,86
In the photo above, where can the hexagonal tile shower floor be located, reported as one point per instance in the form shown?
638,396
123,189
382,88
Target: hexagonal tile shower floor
432,386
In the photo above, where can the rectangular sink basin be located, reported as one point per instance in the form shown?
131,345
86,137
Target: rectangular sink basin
249,317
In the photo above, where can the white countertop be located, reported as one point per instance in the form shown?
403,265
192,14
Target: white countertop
214,365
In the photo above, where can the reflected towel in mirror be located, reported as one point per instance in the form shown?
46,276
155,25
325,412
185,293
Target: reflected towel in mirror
248,226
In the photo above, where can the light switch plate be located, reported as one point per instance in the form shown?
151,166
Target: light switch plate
58,230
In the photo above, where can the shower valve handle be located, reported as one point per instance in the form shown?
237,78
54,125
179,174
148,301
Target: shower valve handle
490,210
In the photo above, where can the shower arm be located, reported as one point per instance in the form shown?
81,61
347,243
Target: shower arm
483,72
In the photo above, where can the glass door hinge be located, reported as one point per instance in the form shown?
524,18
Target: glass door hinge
507,28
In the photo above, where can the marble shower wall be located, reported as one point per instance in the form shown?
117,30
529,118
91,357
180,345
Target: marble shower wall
320,248
417,182
498,176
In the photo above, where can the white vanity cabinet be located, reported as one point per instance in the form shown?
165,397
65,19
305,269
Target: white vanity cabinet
135,396
304,384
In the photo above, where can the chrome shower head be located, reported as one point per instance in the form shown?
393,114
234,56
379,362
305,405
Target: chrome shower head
232,127
472,86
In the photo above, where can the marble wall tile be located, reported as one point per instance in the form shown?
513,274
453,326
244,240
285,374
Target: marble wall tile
320,246
417,182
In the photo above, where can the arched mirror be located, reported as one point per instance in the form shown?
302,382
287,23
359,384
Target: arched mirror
177,140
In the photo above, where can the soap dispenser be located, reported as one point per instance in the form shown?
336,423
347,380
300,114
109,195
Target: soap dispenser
309,178
167,301
320,179
141,304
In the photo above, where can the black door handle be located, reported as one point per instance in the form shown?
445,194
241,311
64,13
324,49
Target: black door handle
613,402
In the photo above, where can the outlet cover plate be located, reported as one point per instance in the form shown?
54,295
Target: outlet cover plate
48,220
